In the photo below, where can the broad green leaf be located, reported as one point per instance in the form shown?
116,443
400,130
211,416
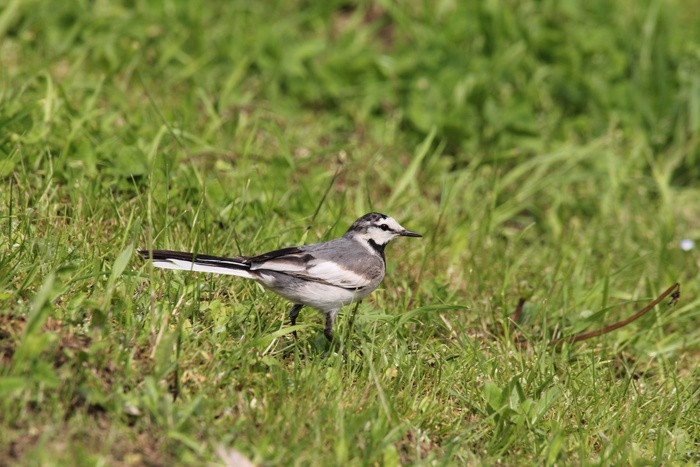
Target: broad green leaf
410,174
119,265
10,384
40,312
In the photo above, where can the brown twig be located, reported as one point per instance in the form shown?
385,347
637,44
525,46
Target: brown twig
515,317
674,291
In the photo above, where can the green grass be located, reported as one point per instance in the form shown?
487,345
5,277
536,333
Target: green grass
544,149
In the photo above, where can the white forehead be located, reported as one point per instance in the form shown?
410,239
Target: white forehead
391,222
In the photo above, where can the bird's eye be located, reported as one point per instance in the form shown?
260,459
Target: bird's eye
384,227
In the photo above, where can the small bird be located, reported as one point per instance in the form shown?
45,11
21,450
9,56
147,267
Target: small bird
325,276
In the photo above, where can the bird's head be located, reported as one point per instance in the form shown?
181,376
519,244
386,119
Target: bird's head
378,228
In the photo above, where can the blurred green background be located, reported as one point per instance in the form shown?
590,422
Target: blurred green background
499,81
547,149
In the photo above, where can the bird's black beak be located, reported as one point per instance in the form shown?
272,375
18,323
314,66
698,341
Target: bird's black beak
408,233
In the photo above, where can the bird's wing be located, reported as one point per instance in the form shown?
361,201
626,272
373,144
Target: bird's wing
333,273
291,259
305,263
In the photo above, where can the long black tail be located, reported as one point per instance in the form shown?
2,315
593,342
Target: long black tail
184,261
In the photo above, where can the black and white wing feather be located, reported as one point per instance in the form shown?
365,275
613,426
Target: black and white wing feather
329,263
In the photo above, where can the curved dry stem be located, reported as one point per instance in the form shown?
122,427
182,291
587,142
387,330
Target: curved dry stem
674,291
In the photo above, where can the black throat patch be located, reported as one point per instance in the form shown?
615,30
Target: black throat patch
377,247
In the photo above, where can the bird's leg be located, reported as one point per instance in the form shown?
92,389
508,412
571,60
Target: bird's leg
330,319
293,313
352,320
328,331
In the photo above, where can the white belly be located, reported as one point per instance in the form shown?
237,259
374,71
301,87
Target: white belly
322,297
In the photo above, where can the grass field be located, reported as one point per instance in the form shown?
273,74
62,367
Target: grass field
547,150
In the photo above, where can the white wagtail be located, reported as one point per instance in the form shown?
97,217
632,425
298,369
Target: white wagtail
325,276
